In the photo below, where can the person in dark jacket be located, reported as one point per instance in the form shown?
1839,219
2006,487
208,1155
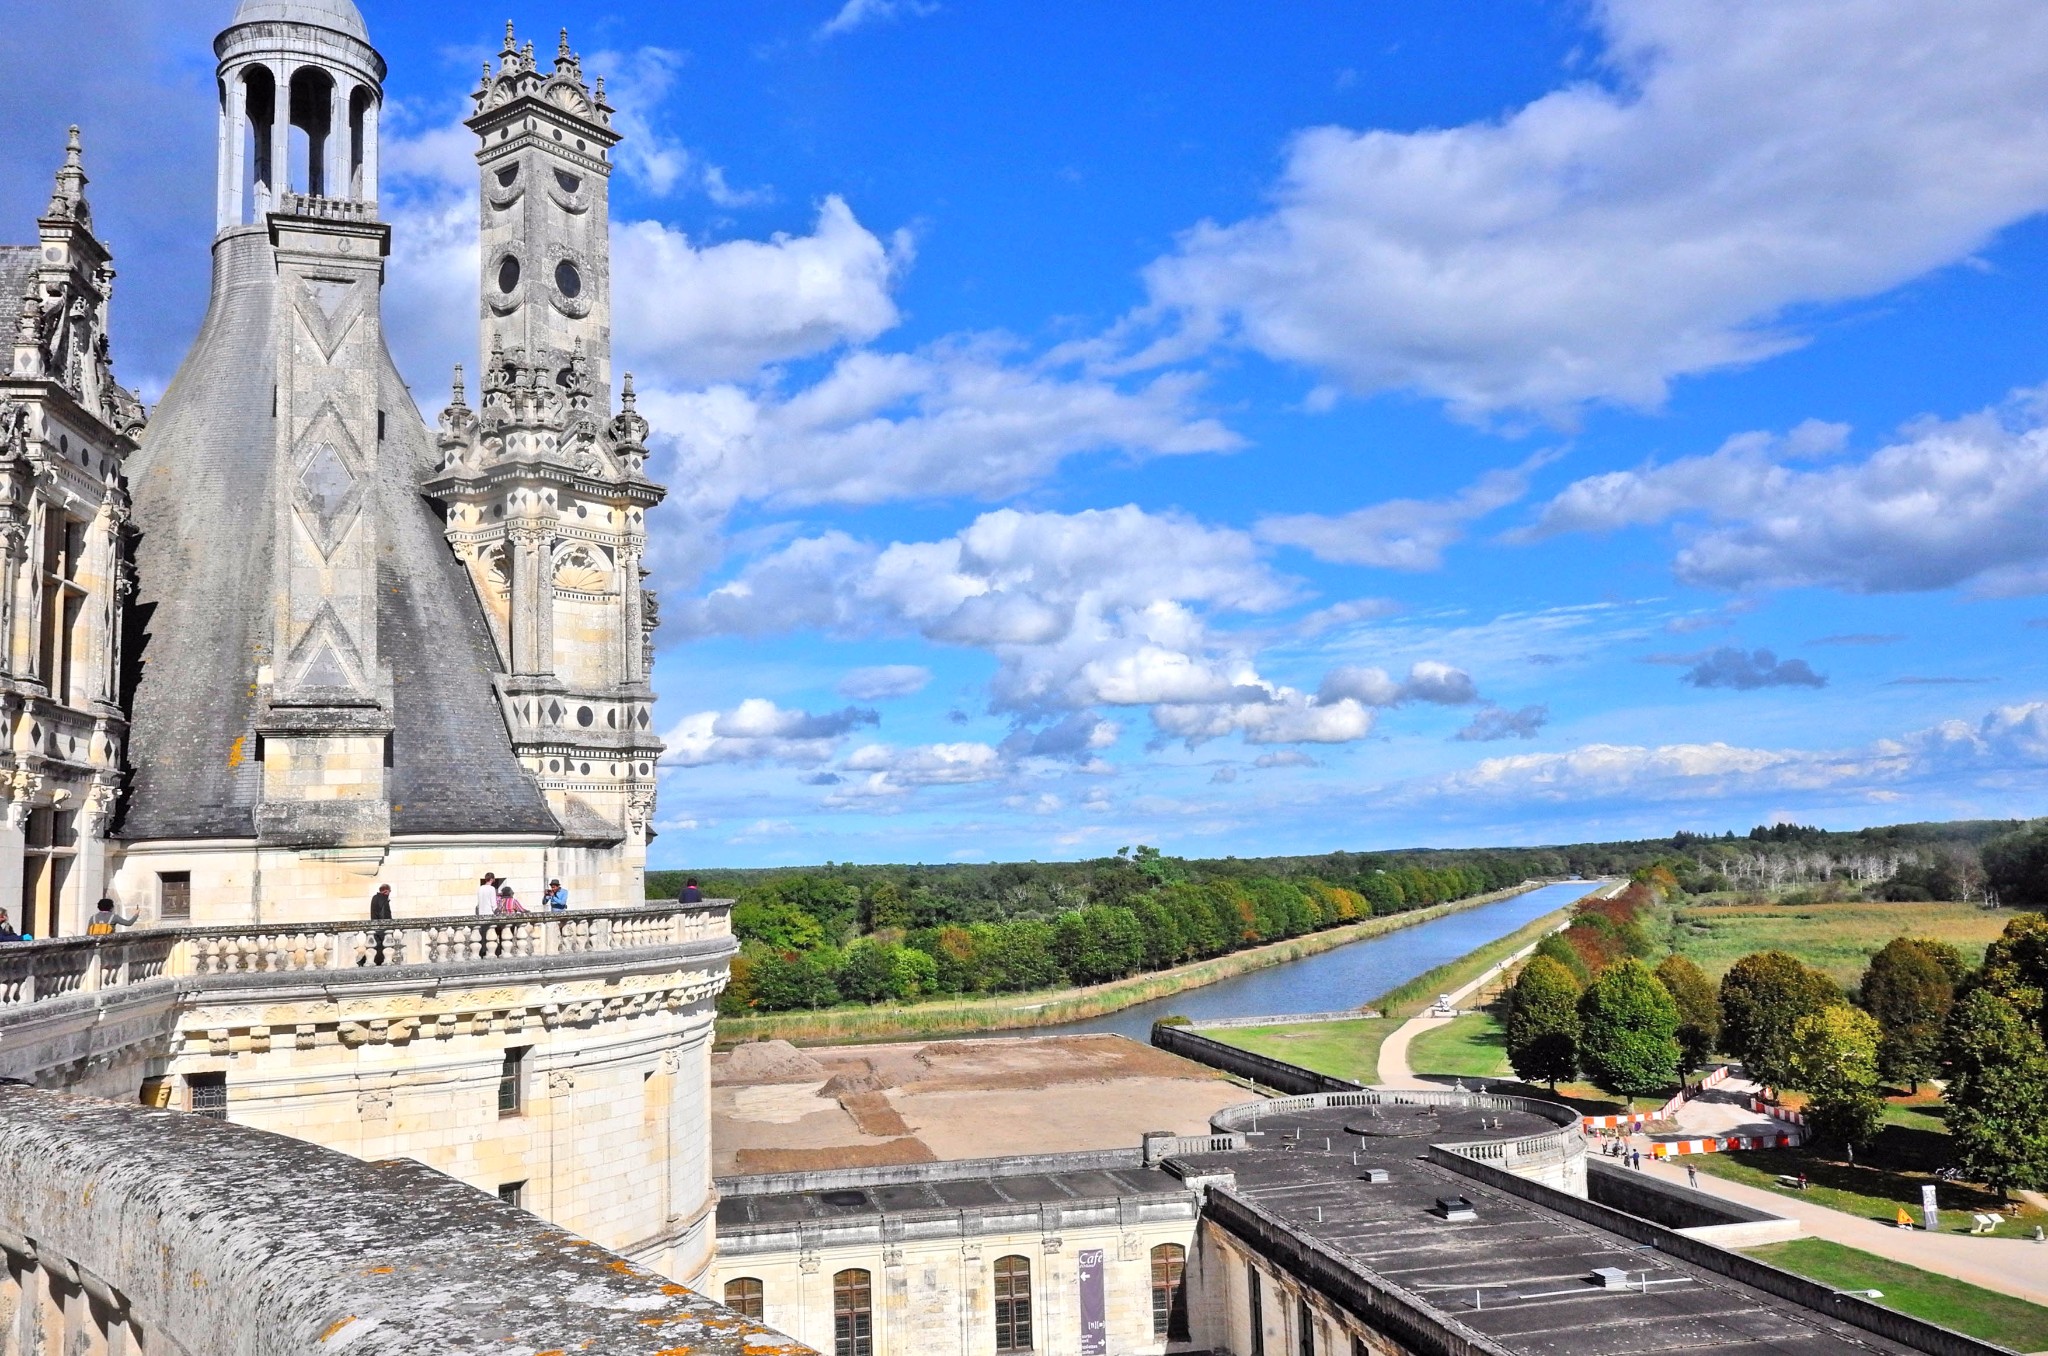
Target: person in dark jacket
691,894
380,905
7,932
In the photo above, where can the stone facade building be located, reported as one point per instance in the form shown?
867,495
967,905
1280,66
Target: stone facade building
326,646
67,431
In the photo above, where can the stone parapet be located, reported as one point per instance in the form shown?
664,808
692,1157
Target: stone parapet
41,971
149,1231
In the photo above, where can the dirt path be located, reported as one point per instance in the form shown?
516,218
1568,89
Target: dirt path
2009,1265
1394,1070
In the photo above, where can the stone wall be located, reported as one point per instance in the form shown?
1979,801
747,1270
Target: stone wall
578,1079
147,1231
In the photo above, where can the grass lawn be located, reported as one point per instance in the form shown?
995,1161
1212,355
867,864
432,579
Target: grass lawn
1865,1191
1473,1044
1837,938
1981,1313
1349,1049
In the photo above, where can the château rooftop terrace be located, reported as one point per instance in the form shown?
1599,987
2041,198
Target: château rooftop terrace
1522,1275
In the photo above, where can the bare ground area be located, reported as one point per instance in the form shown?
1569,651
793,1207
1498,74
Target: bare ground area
775,1108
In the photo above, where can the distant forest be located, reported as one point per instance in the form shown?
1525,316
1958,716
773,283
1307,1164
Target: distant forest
816,937
1944,860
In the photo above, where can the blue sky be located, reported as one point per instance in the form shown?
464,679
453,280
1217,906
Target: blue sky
1252,428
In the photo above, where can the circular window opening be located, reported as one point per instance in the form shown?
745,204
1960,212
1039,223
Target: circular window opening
508,274
568,281
585,717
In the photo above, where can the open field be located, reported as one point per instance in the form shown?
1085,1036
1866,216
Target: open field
1474,1044
775,1108
1837,938
1981,1313
1341,1049
1016,1012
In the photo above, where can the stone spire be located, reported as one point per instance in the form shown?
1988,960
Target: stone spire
68,202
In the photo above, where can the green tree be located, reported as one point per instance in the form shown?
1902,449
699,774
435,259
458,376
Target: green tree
1909,990
1834,1061
1763,996
2016,968
1628,1030
1699,1010
868,972
1556,948
786,983
1543,1023
883,907
2016,866
767,918
1997,1093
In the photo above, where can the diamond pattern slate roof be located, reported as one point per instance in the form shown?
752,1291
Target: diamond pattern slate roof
18,264
202,484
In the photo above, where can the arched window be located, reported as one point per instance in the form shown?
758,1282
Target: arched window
1013,1304
853,1314
1169,1295
743,1296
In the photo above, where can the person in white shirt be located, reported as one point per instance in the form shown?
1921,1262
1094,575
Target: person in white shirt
487,896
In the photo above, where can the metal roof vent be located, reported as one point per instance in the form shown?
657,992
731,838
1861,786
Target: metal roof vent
1377,1176
1456,1209
1610,1278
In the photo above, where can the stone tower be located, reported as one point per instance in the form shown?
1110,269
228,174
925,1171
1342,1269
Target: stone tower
318,698
544,486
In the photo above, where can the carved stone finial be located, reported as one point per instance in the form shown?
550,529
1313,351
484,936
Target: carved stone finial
511,39
565,54
460,398
69,199
627,399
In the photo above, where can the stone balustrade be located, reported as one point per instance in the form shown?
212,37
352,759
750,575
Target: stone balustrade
326,209
125,1230
34,972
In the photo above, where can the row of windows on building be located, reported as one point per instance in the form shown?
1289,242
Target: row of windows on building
1304,1321
853,1303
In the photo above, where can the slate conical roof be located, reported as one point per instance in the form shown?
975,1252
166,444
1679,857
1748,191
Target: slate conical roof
340,15
202,485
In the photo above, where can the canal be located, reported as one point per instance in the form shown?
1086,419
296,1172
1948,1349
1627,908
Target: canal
1346,977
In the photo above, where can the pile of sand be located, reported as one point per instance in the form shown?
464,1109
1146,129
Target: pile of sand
768,1062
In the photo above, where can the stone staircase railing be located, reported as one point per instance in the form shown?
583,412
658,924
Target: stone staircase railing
35,972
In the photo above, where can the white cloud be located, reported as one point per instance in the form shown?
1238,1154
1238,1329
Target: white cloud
1497,722
857,13
1109,607
1731,161
892,772
759,731
2006,739
1949,503
957,419
1284,758
1427,681
1401,534
884,681
686,313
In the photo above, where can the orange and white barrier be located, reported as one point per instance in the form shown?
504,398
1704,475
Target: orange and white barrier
1674,1148
1777,1113
1632,1121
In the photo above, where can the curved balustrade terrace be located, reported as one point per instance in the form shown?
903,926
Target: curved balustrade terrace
33,972
125,1230
1562,1150
90,998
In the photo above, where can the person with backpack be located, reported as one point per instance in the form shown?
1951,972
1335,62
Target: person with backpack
105,921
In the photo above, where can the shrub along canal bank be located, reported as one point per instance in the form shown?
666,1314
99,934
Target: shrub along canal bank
1066,1007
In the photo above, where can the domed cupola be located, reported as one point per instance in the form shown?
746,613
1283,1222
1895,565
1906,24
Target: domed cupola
301,89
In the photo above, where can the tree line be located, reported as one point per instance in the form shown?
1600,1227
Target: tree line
816,940
1588,1003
